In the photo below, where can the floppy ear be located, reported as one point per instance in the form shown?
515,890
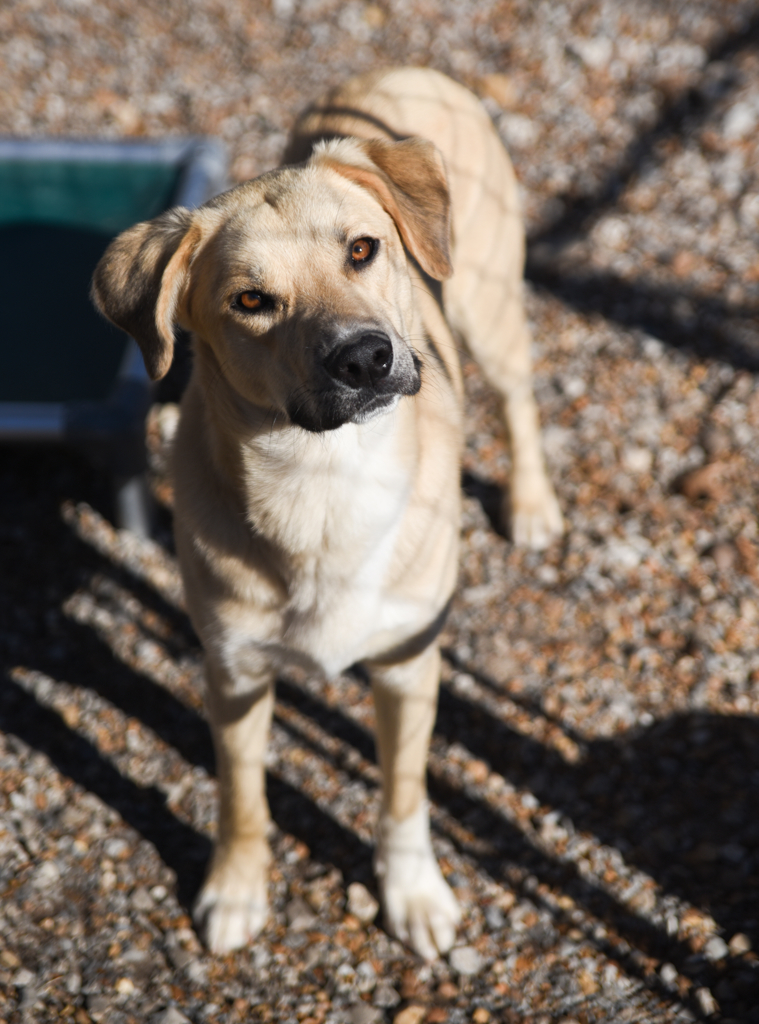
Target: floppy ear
138,283
408,178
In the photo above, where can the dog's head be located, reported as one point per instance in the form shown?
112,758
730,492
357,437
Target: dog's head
295,284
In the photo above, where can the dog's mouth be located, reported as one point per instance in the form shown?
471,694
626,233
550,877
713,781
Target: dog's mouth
334,402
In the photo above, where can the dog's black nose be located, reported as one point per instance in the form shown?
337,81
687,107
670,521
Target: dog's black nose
363,363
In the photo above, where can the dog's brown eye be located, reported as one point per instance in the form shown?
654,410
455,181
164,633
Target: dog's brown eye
251,300
362,250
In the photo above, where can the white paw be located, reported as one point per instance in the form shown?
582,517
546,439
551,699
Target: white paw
536,518
420,908
232,907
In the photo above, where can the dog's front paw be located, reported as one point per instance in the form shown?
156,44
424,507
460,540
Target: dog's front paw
232,907
420,908
536,518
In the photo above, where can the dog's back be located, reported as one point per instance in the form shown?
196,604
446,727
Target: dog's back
482,302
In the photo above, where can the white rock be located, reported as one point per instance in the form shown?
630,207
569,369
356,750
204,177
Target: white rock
706,1001
668,974
595,53
283,8
23,978
637,460
518,130
574,387
385,996
300,917
622,556
716,948
740,120
466,960
171,1015
362,1013
47,874
361,903
366,976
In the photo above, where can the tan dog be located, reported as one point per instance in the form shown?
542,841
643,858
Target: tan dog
318,455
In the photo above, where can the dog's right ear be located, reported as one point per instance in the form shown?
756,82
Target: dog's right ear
139,281
408,179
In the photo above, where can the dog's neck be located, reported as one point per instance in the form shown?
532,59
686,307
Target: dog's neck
311,494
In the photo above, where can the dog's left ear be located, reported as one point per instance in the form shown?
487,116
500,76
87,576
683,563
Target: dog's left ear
138,282
408,179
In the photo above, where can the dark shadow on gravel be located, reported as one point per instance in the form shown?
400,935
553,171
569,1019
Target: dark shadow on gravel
333,722
697,770
678,800
514,861
681,112
139,697
34,634
506,854
144,808
327,840
711,328
489,496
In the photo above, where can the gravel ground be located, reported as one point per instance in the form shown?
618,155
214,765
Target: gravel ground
596,756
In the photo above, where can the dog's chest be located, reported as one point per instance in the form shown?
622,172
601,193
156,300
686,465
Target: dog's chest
334,504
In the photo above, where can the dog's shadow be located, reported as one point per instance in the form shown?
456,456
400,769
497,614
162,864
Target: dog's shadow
678,798
491,498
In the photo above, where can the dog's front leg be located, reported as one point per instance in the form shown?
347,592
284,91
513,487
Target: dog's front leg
419,907
232,906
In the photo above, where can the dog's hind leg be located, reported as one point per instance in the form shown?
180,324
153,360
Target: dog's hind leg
232,906
531,505
493,324
419,906
484,303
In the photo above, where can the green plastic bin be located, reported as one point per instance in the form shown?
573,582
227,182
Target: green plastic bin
66,374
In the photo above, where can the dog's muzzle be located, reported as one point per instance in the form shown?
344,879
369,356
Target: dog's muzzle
357,379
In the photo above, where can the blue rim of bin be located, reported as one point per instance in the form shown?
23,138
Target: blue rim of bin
154,175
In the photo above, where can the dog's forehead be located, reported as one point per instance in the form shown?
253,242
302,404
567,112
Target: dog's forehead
294,206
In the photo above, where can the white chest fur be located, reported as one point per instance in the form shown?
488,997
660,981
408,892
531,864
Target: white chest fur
334,502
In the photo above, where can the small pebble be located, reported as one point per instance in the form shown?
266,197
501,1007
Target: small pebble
704,482
465,960
361,903
739,944
142,900
668,974
300,917
98,1006
716,949
725,556
706,1001
171,1015
385,996
495,917
46,875
412,1014
73,983
363,1013
366,976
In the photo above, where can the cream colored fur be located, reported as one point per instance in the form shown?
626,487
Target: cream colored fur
335,546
